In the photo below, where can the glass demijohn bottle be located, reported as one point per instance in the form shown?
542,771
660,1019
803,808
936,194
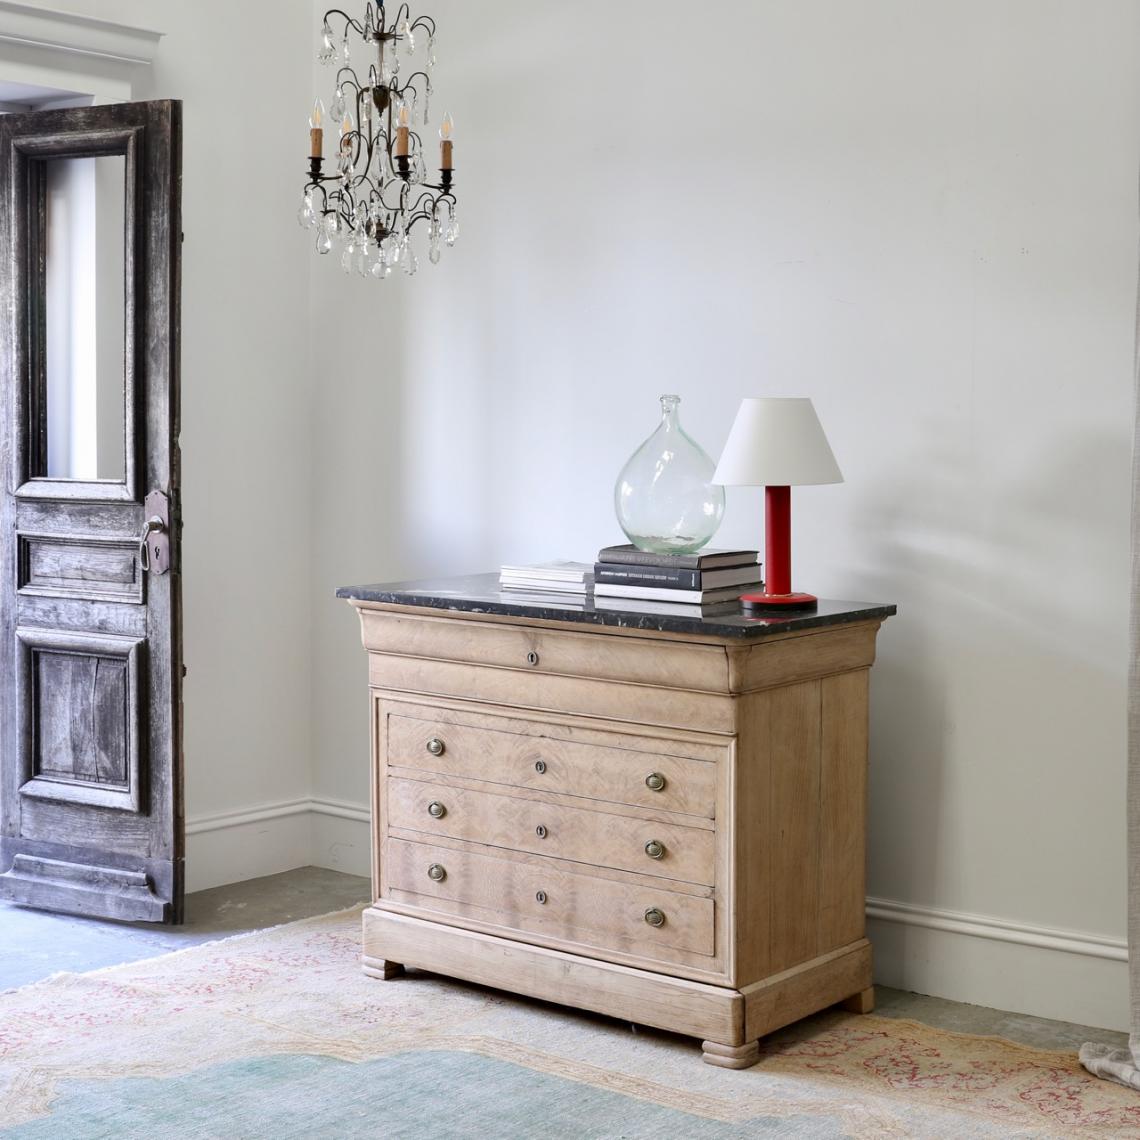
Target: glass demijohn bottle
665,499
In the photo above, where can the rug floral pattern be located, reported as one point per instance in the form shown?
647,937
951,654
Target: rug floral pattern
298,991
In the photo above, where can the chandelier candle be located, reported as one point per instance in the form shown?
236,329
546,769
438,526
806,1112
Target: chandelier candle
316,133
402,132
446,130
381,189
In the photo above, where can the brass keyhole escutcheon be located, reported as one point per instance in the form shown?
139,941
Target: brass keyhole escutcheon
655,782
655,849
532,658
436,810
437,874
540,896
436,746
540,766
655,917
540,831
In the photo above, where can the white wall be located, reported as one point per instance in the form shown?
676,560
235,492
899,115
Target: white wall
247,455
923,216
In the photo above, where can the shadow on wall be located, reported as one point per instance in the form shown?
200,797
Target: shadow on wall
980,636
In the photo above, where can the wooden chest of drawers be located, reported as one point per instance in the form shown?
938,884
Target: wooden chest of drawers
668,827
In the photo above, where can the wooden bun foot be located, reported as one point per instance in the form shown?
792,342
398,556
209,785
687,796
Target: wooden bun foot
731,1056
862,1002
382,968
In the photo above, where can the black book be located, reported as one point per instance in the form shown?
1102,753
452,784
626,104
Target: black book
628,554
675,577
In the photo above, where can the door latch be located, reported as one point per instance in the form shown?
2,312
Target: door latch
154,542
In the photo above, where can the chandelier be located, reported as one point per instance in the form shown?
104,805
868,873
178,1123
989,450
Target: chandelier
378,188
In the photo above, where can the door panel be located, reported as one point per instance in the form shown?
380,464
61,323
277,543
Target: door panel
90,693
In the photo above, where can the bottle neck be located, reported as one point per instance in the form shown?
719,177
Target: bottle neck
670,413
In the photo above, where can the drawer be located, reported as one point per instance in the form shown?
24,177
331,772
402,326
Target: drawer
547,902
596,655
524,757
523,824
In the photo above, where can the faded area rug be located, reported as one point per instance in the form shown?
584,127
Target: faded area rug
278,1034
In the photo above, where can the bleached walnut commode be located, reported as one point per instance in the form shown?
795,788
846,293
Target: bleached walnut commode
654,817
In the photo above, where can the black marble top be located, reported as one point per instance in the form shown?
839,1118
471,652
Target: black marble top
480,594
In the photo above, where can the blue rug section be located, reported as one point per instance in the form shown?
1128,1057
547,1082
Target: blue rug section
417,1095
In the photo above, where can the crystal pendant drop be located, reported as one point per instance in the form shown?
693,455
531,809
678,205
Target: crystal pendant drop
327,52
431,52
338,107
664,498
427,99
347,254
306,215
433,249
409,37
324,242
419,171
411,262
346,55
452,230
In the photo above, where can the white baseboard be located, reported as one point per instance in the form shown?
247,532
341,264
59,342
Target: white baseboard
1063,974
230,847
342,837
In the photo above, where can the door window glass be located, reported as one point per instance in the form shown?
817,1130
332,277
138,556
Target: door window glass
84,318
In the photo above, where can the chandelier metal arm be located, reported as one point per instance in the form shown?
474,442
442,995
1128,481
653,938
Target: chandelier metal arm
349,21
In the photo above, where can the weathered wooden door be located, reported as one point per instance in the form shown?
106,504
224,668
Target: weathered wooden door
90,597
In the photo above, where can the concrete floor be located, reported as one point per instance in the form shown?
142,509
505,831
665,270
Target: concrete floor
36,944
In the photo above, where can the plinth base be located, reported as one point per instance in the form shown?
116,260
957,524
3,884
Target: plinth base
751,602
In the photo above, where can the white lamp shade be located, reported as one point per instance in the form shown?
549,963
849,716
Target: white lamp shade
777,443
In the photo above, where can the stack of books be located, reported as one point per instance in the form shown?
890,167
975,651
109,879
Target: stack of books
558,577
628,578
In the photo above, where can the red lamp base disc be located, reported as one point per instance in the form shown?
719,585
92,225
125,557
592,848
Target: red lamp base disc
777,601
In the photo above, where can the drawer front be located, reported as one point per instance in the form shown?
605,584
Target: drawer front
595,654
591,837
546,902
546,763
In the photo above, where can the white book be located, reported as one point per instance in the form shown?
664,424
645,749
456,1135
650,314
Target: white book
557,570
673,609
665,594
543,585
556,599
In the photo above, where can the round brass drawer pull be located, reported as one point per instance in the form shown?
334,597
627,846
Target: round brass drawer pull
540,766
655,781
532,658
541,897
540,831
655,849
655,917
436,746
437,874
437,811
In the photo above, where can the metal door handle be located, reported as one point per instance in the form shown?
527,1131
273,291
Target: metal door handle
151,526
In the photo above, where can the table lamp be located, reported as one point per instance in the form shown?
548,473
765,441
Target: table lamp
777,444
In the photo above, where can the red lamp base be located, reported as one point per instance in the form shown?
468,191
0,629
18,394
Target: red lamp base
777,601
